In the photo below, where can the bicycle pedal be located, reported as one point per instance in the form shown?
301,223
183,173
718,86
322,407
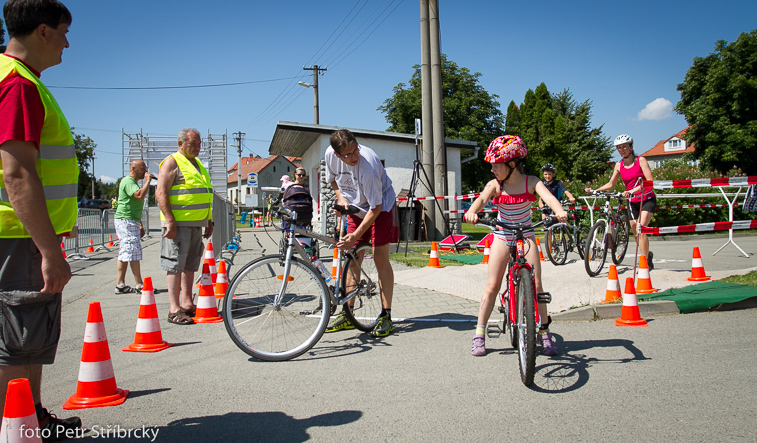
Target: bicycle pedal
544,297
501,309
493,331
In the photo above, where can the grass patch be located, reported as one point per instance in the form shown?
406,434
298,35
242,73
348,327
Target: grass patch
420,260
749,279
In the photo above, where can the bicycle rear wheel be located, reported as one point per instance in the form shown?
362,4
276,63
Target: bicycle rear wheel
270,330
363,278
557,245
526,328
621,240
582,233
596,248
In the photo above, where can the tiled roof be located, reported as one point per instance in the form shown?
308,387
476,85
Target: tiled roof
659,148
250,164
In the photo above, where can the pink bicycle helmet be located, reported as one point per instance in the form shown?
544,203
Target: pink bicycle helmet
505,148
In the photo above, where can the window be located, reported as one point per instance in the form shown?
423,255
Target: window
675,144
274,168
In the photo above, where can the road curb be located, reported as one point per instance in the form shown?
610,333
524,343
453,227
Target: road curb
609,311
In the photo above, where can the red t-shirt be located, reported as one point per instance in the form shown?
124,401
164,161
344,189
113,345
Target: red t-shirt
22,113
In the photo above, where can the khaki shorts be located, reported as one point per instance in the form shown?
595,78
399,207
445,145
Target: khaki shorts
29,320
183,253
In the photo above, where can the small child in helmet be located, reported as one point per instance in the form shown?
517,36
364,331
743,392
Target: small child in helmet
556,187
514,193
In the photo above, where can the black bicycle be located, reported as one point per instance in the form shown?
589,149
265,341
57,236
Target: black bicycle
610,232
562,238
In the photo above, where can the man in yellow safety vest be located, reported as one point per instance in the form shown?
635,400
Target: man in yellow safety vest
185,198
37,201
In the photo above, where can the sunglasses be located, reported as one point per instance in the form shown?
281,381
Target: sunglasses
299,175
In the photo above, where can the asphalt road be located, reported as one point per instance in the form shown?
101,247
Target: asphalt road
685,377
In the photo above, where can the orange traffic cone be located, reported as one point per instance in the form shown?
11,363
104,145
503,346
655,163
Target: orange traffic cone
210,260
20,423
63,248
630,315
697,267
91,247
97,381
613,286
433,259
334,263
538,245
148,337
644,283
222,281
110,238
207,311
486,253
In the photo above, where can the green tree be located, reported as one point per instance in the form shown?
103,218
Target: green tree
557,129
718,97
85,154
470,113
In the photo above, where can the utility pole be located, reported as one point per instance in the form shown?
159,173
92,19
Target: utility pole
238,136
316,70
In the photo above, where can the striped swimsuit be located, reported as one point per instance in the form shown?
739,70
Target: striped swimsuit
514,210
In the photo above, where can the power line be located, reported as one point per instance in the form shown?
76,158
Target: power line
175,87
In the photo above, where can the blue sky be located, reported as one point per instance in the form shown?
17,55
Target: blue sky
623,56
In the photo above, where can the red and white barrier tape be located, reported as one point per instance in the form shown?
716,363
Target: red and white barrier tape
443,197
700,182
701,227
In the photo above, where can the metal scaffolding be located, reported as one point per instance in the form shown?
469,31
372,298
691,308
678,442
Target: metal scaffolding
153,149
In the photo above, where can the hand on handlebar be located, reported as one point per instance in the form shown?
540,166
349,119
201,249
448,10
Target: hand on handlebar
471,217
562,216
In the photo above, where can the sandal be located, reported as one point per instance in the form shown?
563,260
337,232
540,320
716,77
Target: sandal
190,312
180,318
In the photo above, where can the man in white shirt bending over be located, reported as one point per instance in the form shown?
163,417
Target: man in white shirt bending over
359,179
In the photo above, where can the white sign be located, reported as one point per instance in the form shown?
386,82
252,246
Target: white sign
252,180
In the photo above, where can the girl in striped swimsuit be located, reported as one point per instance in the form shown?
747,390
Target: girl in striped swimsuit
514,193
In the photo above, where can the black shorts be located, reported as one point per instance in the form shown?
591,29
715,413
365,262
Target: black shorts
648,205
29,319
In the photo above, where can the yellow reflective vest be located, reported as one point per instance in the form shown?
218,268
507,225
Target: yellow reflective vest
191,199
56,163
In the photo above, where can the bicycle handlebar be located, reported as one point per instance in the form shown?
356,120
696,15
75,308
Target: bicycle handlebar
607,194
492,224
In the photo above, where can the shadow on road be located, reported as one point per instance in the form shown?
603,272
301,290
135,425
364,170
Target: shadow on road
234,426
568,371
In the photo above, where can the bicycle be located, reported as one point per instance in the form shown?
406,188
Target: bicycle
610,232
562,238
278,306
519,301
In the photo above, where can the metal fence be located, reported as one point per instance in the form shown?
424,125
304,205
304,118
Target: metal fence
95,228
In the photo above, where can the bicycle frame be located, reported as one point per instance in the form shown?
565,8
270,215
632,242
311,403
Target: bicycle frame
517,262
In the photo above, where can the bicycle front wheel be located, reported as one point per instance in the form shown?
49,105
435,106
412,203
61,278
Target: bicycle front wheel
621,240
272,327
526,328
557,245
596,248
363,278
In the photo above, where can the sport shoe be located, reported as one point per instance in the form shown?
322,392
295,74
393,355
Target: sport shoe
57,429
478,349
547,345
649,260
383,327
339,323
125,289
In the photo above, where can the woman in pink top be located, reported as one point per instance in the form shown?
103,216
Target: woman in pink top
514,193
632,169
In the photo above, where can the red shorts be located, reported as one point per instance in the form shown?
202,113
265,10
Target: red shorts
382,232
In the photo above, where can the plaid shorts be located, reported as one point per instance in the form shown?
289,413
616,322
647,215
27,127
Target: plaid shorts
130,246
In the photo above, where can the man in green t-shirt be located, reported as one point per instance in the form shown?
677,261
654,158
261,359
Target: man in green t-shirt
128,225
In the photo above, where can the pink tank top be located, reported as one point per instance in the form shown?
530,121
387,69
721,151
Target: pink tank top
630,175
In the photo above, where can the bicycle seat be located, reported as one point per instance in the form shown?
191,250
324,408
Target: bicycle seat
351,209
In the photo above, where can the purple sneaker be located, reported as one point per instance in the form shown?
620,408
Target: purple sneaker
547,345
478,349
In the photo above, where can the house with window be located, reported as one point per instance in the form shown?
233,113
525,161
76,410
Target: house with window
668,149
269,171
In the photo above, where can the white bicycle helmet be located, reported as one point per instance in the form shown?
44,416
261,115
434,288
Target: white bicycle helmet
623,138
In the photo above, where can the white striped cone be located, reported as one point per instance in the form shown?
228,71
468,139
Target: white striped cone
697,267
210,259
20,421
207,311
222,281
148,337
629,314
97,381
